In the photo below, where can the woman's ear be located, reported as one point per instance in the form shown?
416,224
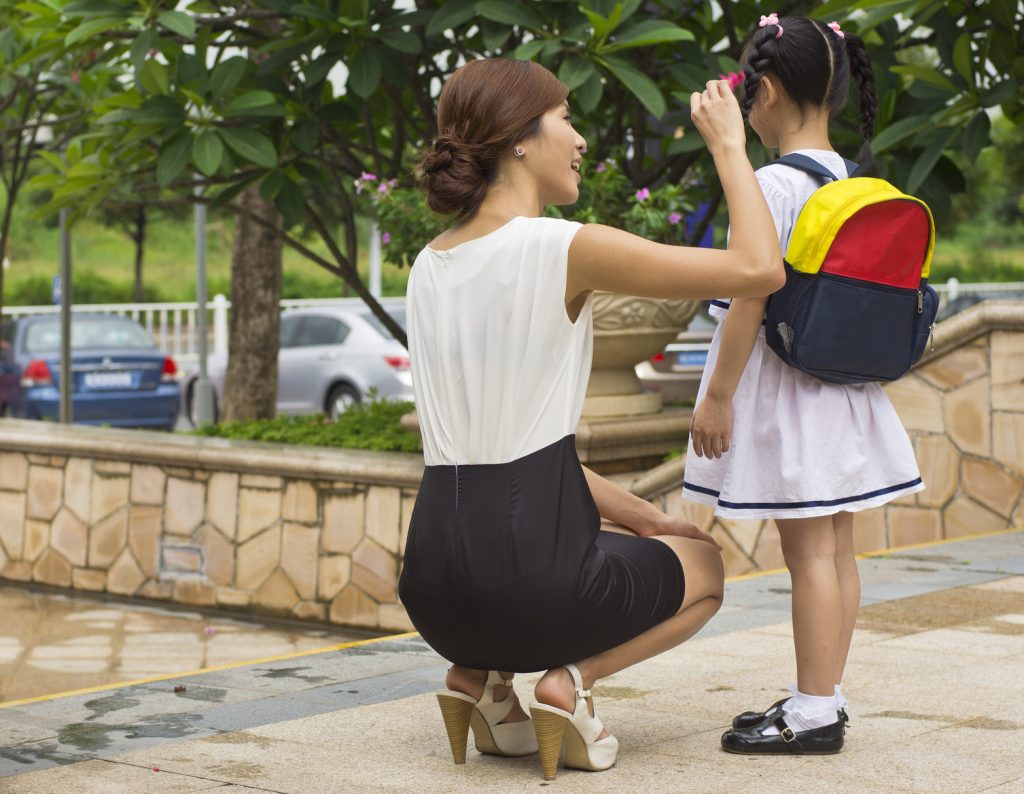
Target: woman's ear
767,91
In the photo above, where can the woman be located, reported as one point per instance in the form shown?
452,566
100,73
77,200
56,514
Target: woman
508,566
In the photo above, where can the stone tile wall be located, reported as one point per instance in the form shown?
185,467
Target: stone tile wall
311,549
964,411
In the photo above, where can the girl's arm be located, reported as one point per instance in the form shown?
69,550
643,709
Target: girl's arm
711,426
603,258
639,515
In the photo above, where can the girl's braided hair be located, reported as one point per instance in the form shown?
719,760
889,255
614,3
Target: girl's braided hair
814,65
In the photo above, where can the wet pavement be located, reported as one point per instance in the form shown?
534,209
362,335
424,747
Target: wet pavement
934,683
54,642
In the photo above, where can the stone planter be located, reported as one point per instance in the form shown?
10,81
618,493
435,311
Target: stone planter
627,330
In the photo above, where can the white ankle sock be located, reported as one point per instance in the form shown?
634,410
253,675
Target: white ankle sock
806,712
840,697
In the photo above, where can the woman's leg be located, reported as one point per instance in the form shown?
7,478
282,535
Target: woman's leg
849,588
471,682
704,585
809,546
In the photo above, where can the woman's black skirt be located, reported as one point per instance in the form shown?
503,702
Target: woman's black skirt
506,567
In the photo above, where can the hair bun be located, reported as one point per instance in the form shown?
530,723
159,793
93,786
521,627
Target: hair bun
451,176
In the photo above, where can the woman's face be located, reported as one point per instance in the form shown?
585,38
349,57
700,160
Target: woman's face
554,155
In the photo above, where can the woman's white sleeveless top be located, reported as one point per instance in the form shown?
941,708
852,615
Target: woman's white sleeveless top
498,368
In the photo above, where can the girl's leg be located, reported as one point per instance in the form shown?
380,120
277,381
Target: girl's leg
704,586
849,588
809,546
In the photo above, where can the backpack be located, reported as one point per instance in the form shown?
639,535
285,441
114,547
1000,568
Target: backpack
856,306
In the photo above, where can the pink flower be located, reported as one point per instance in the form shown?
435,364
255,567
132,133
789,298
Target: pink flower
643,194
601,168
733,78
366,175
674,218
392,182
385,238
382,187
359,185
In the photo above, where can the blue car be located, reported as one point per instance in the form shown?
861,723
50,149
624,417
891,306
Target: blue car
119,376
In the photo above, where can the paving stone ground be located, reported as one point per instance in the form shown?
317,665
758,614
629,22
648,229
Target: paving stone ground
935,682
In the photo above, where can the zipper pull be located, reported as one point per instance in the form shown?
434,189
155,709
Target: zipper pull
931,337
920,302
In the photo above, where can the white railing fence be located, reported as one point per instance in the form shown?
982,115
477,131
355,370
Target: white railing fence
173,325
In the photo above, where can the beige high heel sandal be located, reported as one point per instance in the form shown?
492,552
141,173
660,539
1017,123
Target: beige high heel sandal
579,732
461,712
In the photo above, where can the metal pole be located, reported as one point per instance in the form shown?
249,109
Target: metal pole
203,396
375,261
66,413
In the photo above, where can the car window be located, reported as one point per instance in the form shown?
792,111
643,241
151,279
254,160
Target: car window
320,331
290,324
88,333
397,312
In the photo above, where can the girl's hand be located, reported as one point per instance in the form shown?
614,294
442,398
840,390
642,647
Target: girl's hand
711,427
717,116
669,525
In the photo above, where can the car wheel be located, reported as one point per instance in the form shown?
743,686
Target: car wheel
190,406
341,398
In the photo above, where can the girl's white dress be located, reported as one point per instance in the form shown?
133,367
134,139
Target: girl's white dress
800,447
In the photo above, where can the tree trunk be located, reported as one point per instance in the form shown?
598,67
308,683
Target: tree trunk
139,237
250,388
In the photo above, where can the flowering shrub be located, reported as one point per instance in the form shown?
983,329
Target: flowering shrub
665,213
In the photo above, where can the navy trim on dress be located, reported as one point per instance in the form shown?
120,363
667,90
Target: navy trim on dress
785,505
724,305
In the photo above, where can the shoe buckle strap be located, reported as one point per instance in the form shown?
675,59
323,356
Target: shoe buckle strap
583,693
787,733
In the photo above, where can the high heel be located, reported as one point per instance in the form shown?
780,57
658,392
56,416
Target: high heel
578,731
461,712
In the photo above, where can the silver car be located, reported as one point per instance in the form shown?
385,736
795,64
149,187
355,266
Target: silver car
330,358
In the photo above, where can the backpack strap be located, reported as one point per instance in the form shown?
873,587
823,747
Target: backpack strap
812,166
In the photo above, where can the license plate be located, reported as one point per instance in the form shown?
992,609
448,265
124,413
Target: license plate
693,358
108,380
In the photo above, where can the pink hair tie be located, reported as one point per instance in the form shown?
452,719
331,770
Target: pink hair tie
838,32
771,19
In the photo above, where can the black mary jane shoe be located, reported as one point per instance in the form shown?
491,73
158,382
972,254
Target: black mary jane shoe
752,741
748,719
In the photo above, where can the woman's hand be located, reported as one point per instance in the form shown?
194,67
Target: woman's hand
711,427
665,524
717,116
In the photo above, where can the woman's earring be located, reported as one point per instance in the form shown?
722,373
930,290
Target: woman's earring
519,151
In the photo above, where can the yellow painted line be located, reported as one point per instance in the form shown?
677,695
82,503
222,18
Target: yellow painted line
895,549
232,666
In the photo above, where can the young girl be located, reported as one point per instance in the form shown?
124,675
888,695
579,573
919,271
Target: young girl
769,441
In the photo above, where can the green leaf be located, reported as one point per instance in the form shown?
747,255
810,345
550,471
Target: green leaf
962,58
690,142
178,22
154,77
140,48
249,102
589,94
1002,92
207,151
271,185
639,84
575,71
174,156
402,41
312,12
226,76
254,146
929,157
509,13
91,28
160,110
53,159
647,33
898,131
291,202
304,134
926,75
976,136
364,73
450,15
528,50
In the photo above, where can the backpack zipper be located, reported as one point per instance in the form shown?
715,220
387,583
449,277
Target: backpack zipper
920,301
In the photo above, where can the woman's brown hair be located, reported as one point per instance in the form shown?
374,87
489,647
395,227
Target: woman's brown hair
486,107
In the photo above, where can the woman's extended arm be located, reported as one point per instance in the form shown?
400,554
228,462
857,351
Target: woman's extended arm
711,426
639,515
604,258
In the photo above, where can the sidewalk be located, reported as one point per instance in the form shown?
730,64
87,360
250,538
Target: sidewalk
935,683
